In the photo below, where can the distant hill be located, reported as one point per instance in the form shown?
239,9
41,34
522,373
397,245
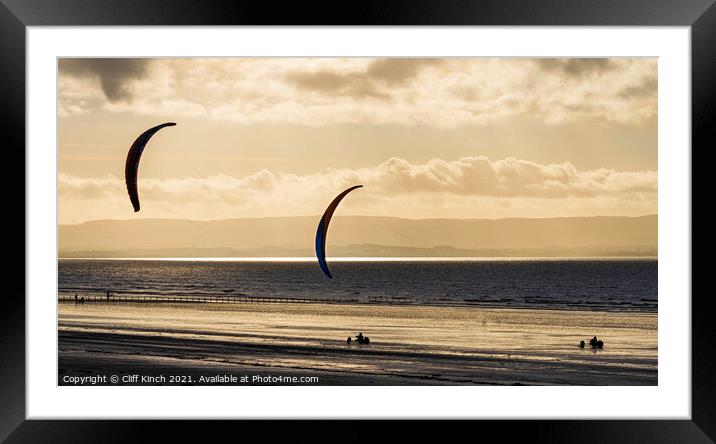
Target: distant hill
363,236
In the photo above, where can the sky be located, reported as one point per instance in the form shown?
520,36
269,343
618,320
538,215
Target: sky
428,138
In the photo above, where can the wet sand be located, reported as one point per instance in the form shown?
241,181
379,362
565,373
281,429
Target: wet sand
410,345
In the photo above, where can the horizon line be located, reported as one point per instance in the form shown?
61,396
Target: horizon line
354,215
364,259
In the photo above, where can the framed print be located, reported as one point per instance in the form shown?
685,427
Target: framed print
359,222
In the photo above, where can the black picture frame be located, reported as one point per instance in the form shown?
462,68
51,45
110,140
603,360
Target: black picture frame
16,15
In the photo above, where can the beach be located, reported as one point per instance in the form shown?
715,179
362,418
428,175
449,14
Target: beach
305,343
486,215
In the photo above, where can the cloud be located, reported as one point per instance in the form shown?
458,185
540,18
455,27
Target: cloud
395,187
398,71
114,74
326,82
510,177
373,80
648,87
441,93
576,67
87,188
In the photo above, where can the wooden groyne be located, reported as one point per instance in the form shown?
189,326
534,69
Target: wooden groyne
88,298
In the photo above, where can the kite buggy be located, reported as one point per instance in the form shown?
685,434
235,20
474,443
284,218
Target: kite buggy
593,342
359,339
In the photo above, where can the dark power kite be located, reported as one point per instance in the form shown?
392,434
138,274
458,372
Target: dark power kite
323,230
131,168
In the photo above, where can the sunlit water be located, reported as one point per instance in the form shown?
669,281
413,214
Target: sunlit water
585,284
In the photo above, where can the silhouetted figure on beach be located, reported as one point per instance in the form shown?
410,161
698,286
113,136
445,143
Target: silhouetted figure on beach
581,344
76,300
82,300
362,339
348,341
600,344
593,342
108,295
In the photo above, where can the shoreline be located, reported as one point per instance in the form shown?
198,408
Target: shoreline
413,345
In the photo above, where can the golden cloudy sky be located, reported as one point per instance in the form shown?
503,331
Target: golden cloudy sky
454,138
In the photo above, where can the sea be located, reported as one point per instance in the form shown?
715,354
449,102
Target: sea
606,284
